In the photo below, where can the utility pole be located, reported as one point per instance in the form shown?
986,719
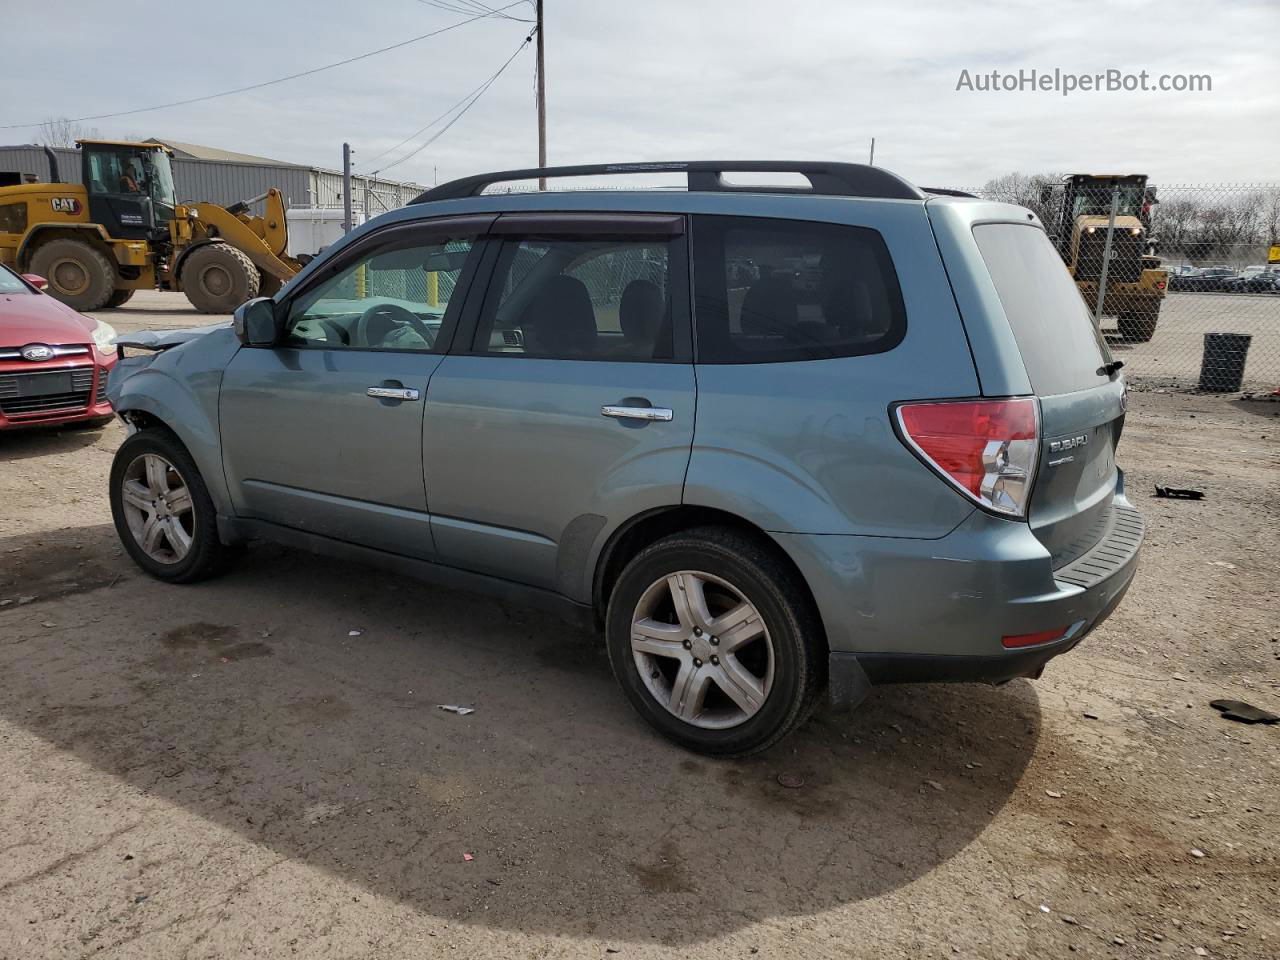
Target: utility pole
542,101
346,188
871,161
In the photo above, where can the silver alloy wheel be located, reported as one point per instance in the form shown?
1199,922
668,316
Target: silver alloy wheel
158,508
702,650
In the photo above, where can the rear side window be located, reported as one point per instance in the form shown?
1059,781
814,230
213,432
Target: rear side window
580,299
775,290
1061,348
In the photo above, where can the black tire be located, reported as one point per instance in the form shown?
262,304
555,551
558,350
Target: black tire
79,274
268,286
1137,328
755,570
207,555
217,278
118,299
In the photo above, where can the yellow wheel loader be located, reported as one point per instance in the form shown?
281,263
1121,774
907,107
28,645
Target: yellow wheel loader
1077,214
122,230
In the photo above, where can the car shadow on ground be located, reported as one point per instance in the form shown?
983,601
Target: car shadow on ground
27,442
252,702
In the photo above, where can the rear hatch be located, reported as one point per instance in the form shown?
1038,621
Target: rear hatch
1082,400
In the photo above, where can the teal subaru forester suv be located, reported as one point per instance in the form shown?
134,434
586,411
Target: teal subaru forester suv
769,439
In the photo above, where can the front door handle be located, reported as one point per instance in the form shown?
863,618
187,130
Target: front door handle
393,393
635,413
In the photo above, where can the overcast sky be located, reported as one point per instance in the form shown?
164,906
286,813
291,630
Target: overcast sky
664,79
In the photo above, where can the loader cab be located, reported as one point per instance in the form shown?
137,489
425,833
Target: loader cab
1079,209
130,186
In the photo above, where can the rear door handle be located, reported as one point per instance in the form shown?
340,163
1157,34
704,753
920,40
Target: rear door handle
635,413
393,393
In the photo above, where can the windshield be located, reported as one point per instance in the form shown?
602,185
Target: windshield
1094,200
160,182
10,283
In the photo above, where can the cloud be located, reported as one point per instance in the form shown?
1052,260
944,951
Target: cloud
674,80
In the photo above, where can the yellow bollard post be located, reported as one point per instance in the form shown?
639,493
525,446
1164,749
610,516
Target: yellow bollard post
433,289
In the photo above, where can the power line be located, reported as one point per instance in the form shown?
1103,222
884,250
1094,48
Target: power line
424,129
268,83
470,101
471,7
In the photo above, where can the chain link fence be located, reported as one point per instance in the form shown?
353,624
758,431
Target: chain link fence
1177,275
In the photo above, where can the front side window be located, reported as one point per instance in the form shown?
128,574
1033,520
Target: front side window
580,299
395,297
777,290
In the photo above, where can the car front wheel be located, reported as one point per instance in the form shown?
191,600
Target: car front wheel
162,509
714,641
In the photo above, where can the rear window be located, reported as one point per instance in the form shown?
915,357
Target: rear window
1061,348
774,290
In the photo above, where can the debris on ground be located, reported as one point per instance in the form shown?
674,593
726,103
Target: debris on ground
467,857
354,633
1198,853
454,708
1243,712
935,784
1177,493
791,781
1056,794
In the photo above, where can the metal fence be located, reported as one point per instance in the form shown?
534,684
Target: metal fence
1188,296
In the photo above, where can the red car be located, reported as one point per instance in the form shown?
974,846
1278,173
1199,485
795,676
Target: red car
53,361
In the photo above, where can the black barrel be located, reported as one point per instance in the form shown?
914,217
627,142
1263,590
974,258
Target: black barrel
1222,369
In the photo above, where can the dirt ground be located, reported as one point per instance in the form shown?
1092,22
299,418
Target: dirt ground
229,770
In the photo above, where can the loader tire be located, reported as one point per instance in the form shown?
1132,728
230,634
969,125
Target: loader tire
118,299
217,278
268,286
80,275
1137,327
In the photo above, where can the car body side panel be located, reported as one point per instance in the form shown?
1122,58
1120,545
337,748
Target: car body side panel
180,388
522,468
808,446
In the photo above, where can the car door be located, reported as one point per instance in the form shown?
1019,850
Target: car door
567,404
323,432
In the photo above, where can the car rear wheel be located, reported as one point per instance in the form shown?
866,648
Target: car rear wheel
714,642
162,510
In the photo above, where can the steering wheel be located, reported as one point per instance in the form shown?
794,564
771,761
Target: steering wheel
389,314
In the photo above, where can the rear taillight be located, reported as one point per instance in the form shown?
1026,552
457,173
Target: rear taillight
988,449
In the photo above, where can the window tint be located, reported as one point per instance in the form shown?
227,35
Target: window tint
773,290
580,299
1061,348
394,298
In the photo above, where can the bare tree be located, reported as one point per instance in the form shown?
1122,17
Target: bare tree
61,132
1032,191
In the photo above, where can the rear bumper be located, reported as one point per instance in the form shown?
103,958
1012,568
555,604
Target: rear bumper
904,611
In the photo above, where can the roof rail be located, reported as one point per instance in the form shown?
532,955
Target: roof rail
830,179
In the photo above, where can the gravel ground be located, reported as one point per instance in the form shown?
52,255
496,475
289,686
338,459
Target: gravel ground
225,770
